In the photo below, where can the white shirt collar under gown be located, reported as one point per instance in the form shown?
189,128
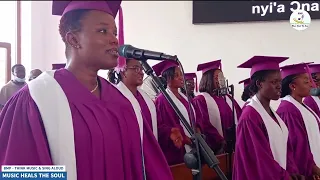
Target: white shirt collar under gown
278,135
152,108
310,120
183,111
57,121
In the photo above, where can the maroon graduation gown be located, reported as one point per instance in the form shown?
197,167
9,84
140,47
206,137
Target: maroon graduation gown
107,141
213,138
298,137
168,119
253,156
145,109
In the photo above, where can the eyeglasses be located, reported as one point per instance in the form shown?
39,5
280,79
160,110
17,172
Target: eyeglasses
316,80
137,69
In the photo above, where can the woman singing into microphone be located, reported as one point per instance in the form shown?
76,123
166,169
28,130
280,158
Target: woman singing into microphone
215,110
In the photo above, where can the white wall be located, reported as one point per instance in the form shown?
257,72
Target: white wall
167,26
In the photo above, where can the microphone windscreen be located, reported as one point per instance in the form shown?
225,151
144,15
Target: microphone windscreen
315,92
122,50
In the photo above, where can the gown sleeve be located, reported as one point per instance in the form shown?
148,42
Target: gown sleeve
291,164
253,155
165,123
22,135
167,120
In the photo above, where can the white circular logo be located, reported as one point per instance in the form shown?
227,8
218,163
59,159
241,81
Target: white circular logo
300,20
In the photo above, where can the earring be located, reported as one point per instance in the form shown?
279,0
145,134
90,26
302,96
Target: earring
294,89
76,46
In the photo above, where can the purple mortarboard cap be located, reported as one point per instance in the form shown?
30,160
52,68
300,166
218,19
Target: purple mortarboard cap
293,69
58,66
163,66
62,7
191,76
314,68
296,69
260,63
209,66
245,82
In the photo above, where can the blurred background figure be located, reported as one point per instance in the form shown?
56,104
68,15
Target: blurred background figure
247,93
150,87
34,74
13,86
191,82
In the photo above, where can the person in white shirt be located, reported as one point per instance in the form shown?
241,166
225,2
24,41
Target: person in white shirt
13,86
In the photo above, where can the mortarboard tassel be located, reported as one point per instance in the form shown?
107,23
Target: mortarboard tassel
121,60
196,84
310,77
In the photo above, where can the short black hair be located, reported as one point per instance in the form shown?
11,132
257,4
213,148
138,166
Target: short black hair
285,89
71,21
168,74
246,94
257,77
15,66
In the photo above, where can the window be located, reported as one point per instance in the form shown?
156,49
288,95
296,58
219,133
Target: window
8,34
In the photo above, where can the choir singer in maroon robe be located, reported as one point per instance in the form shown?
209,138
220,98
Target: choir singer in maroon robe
215,110
246,94
262,149
174,138
302,122
128,77
313,102
191,82
75,118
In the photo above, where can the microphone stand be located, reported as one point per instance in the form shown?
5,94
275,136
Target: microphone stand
231,138
206,153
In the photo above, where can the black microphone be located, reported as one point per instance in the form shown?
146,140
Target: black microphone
131,52
223,85
315,92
